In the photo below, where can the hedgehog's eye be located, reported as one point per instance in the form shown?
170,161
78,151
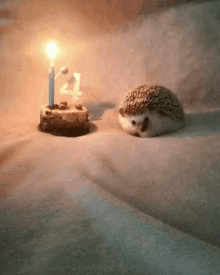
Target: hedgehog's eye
133,122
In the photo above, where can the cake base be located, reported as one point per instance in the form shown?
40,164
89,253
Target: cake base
64,120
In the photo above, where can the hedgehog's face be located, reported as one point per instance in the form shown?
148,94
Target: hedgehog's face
134,124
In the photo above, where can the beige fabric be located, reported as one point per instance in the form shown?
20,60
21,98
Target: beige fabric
109,202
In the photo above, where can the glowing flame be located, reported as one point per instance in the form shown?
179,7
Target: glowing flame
52,50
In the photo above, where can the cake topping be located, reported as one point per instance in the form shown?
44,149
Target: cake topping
78,106
63,102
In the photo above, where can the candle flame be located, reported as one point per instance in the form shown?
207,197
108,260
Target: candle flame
52,50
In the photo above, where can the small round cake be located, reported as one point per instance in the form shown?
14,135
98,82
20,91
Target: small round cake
64,120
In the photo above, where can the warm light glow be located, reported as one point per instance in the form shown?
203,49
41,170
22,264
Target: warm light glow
52,50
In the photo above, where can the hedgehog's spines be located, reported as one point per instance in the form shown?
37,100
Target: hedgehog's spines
152,97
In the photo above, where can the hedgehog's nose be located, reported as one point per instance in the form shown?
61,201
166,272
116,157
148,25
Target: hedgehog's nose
140,126
142,129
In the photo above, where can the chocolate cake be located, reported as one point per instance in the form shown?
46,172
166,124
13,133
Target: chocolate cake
64,120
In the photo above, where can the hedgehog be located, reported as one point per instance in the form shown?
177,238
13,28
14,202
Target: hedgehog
150,111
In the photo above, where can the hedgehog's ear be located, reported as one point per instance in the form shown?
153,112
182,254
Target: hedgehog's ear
121,111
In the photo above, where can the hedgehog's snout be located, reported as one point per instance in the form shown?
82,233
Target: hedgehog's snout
145,124
141,125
